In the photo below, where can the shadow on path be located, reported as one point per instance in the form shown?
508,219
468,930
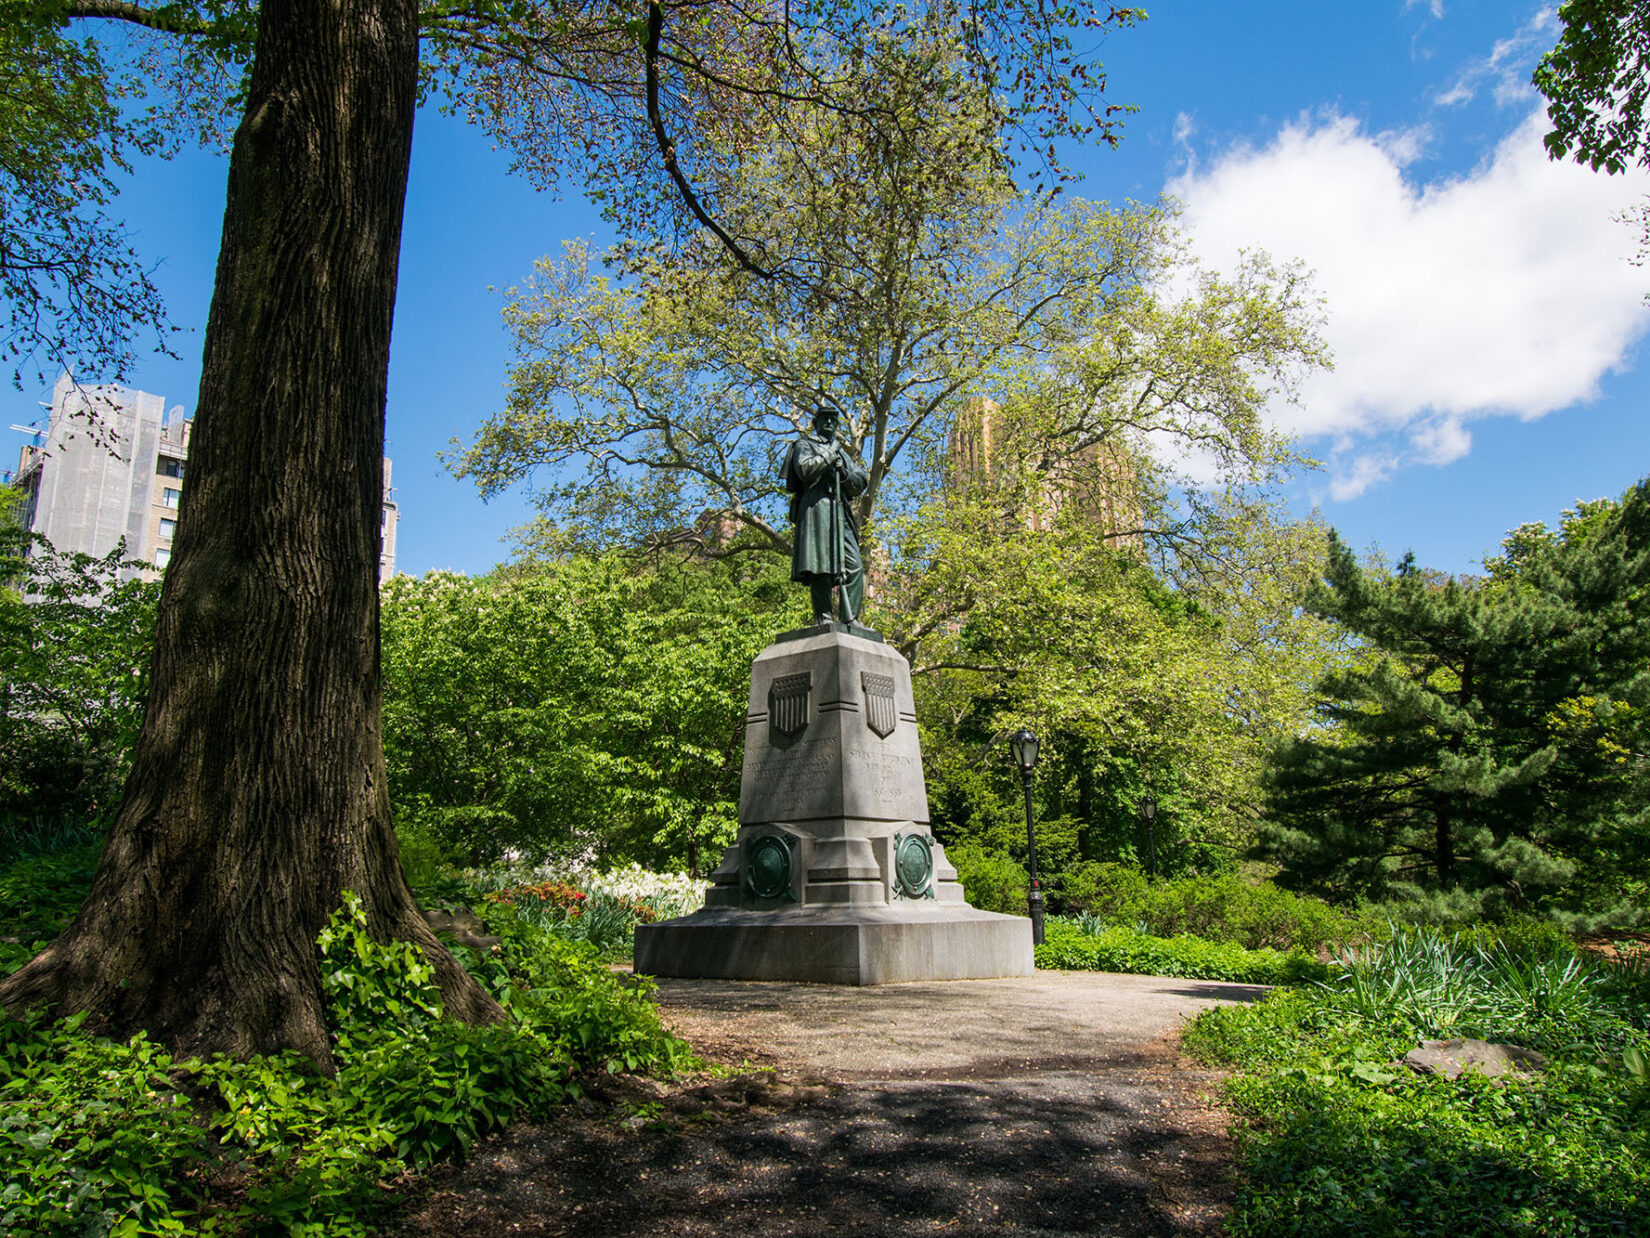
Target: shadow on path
899,1126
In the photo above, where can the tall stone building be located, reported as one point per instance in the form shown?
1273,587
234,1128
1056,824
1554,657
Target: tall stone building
1096,482
111,464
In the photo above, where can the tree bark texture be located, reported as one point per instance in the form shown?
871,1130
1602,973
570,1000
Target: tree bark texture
258,793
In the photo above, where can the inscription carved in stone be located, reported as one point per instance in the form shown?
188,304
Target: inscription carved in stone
880,714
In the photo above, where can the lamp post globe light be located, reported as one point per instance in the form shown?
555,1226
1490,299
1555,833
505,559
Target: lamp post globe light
1148,811
1023,744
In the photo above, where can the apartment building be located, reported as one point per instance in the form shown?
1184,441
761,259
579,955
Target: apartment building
110,464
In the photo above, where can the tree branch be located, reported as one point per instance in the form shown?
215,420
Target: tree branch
170,22
667,148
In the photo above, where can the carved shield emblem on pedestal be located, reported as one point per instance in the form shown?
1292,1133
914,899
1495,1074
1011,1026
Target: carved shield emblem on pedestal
788,702
880,714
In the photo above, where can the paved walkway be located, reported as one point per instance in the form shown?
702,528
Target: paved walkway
1050,1105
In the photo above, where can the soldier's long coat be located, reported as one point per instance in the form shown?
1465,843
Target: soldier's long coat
808,468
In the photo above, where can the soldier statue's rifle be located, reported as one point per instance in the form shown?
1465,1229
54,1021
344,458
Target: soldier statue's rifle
839,574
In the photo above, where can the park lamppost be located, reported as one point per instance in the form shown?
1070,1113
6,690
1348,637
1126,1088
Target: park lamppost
1024,746
1148,810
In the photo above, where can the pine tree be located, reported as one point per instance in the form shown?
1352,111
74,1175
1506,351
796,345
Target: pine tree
1487,749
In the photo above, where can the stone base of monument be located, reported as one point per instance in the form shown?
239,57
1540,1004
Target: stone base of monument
834,876
839,945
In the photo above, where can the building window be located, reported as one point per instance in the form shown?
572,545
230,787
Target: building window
168,467
168,529
163,556
169,496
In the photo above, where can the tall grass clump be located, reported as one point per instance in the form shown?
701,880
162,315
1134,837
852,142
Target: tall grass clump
1534,990
37,834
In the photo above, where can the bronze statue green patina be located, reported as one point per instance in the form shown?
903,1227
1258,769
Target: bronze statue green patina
824,476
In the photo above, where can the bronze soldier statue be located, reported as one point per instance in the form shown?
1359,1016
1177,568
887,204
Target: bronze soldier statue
824,477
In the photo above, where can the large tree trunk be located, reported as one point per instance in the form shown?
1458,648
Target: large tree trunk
257,792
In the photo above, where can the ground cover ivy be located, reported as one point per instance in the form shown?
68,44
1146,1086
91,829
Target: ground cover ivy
99,1137
1338,1137
39,895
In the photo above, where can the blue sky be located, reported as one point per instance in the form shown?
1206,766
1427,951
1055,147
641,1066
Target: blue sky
1488,328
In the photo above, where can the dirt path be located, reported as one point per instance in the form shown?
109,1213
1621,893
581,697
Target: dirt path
1050,1105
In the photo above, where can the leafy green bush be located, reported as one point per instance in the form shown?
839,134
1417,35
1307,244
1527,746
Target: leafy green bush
1339,1137
93,1138
576,703
74,665
1220,907
428,862
992,881
39,895
1068,947
563,987
98,1138
1516,934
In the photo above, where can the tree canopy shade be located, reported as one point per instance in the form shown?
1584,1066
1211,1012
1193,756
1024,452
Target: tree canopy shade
1491,749
1597,84
920,282
258,791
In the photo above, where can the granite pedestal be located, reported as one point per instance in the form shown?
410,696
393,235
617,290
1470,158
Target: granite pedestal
835,876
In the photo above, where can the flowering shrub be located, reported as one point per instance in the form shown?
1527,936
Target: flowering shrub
547,897
667,895
578,903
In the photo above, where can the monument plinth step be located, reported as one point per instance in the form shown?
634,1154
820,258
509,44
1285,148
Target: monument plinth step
845,944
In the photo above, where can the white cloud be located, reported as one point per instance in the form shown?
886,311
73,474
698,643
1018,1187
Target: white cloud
1508,66
1349,479
1442,441
1435,7
1505,291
